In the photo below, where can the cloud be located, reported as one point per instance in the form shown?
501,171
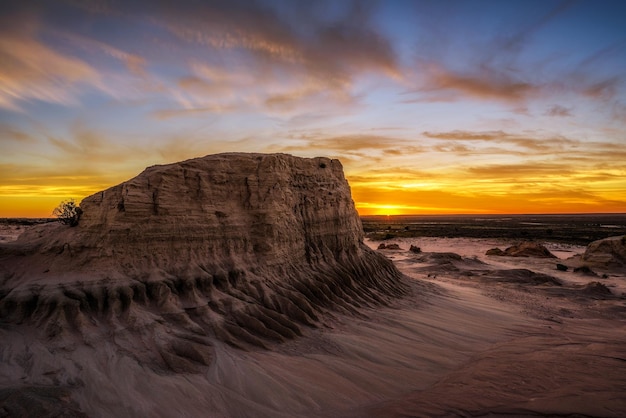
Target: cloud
359,145
11,133
558,111
335,48
280,64
30,70
493,71
514,42
503,60
88,149
164,114
455,148
134,63
443,84
605,89
522,170
537,144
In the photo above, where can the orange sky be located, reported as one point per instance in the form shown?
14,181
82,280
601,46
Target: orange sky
432,107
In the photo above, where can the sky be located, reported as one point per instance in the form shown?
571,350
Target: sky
433,107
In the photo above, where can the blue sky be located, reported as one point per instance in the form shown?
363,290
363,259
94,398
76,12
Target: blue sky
433,107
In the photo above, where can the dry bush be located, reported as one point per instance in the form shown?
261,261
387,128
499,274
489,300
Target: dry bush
68,212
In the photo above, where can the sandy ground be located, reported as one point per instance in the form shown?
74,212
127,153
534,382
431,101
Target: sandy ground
10,232
568,358
467,342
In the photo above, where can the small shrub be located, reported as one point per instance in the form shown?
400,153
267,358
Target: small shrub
68,212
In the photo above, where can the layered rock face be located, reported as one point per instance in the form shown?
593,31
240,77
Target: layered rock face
242,248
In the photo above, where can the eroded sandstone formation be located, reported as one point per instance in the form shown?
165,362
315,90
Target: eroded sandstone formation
608,252
241,248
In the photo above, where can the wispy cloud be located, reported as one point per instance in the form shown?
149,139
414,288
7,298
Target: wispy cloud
501,66
539,143
558,111
358,145
11,133
279,65
134,63
443,84
30,70
521,171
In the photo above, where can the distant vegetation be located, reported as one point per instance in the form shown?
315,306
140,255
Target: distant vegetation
68,213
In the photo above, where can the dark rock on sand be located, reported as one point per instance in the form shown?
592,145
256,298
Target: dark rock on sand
585,270
561,267
415,249
389,247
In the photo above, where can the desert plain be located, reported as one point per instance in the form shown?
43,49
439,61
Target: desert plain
475,337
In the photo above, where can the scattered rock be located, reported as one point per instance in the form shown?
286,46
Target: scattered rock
415,249
561,267
389,247
596,288
392,247
525,249
522,276
585,270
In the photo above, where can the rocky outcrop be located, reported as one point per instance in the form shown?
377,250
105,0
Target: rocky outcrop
525,249
389,247
415,249
608,252
596,289
241,248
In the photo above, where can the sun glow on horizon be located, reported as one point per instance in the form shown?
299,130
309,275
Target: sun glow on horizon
507,107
